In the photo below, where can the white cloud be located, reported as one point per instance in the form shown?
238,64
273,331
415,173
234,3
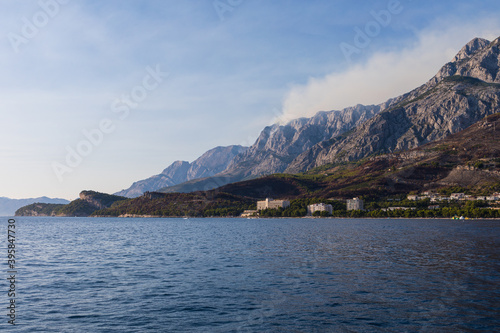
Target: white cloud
385,74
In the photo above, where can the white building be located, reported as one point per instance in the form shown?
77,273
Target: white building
272,204
413,197
436,199
249,212
319,207
355,204
457,196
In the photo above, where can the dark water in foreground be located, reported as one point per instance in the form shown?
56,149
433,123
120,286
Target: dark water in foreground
237,275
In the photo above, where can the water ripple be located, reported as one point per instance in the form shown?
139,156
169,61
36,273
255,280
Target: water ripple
233,275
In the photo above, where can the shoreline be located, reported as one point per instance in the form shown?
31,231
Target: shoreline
134,216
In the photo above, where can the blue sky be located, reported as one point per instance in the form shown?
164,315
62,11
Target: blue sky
132,86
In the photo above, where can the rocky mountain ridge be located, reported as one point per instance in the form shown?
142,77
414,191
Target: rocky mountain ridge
209,164
463,92
278,145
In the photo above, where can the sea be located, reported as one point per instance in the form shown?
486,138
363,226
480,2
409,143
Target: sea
251,275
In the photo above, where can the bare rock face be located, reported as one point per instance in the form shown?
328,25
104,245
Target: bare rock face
463,92
210,163
213,161
278,145
470,48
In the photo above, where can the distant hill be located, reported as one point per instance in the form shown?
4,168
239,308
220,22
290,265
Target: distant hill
89,202
40,209
9,206
207,203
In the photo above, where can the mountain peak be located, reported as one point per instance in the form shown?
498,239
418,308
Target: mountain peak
470,48
479,59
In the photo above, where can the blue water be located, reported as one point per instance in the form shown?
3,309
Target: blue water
265,275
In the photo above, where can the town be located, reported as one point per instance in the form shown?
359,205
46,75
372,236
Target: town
426,204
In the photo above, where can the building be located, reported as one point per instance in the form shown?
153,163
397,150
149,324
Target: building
397,208
319,207
437,199
413,197
249,213
272,204
355,204
457,196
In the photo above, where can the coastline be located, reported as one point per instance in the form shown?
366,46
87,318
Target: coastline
282,218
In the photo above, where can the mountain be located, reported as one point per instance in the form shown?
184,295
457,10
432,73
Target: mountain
209,164
467,161
88,202
9,206
463,92
278,145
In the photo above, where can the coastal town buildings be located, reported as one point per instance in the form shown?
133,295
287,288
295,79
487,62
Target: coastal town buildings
249,213
397,208
454,196
355,204
272,204
457,196
319,207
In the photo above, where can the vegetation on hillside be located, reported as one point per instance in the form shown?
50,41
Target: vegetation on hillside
40,209
210,203
77,208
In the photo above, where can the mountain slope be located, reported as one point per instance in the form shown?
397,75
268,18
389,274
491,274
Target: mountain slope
463,92
210,163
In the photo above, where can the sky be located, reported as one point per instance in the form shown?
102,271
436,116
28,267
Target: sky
95,95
